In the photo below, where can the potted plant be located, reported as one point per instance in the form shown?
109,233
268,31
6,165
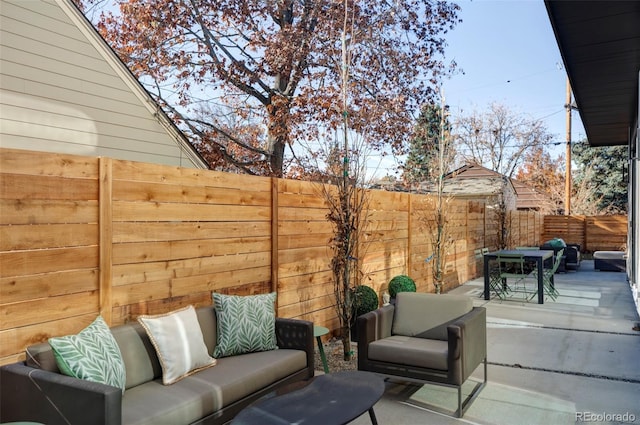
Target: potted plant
401,283
365,300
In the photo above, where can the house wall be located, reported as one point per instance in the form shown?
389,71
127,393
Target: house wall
633,260
63,90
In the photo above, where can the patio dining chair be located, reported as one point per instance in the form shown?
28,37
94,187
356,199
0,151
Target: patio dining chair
547,276
496,284
512,266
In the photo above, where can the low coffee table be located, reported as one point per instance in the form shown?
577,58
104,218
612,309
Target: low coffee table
334,398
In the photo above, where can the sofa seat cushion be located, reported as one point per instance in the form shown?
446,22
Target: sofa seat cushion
208,390
419,352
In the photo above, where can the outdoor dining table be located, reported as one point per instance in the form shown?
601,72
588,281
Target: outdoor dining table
537,256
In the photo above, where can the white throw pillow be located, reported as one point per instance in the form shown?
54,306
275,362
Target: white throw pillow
179,343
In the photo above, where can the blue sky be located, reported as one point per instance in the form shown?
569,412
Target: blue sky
509,55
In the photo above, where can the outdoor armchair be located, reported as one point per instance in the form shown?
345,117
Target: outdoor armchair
572,254
571,257
428,338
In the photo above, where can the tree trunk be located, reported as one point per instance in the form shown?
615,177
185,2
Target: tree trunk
346,343
276,161
278,131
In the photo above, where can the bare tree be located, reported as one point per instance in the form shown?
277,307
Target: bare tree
347,200
498,138
348,204
436,210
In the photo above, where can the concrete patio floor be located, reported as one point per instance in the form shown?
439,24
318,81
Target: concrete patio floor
570,361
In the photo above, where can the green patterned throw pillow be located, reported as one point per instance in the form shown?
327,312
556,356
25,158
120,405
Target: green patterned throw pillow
93,354
245,324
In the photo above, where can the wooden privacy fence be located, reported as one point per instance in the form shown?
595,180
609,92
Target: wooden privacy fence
592,233
81,236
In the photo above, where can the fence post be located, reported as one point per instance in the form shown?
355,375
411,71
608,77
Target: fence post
274,237
585,233
410,232
105,225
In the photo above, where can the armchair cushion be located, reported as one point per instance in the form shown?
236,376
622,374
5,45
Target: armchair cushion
420,352
411,318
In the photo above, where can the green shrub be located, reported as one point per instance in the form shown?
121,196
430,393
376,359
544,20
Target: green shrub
366,300
401,283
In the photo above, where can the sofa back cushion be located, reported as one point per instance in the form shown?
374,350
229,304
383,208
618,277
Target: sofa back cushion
140,359
207,319
139,355
427,315
40,356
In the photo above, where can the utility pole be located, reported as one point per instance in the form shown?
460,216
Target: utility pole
567,177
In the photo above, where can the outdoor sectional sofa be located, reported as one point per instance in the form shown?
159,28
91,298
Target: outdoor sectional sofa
35,390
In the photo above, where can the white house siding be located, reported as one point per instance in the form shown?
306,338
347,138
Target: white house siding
62,90
633,235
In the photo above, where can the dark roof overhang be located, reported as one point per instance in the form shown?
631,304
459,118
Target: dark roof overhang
600,45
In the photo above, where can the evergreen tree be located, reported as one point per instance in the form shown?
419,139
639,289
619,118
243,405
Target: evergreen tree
602,169
421,163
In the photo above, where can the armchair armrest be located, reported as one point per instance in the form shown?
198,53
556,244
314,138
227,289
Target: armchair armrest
467,338
30,394
372,326
297,334
573,254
